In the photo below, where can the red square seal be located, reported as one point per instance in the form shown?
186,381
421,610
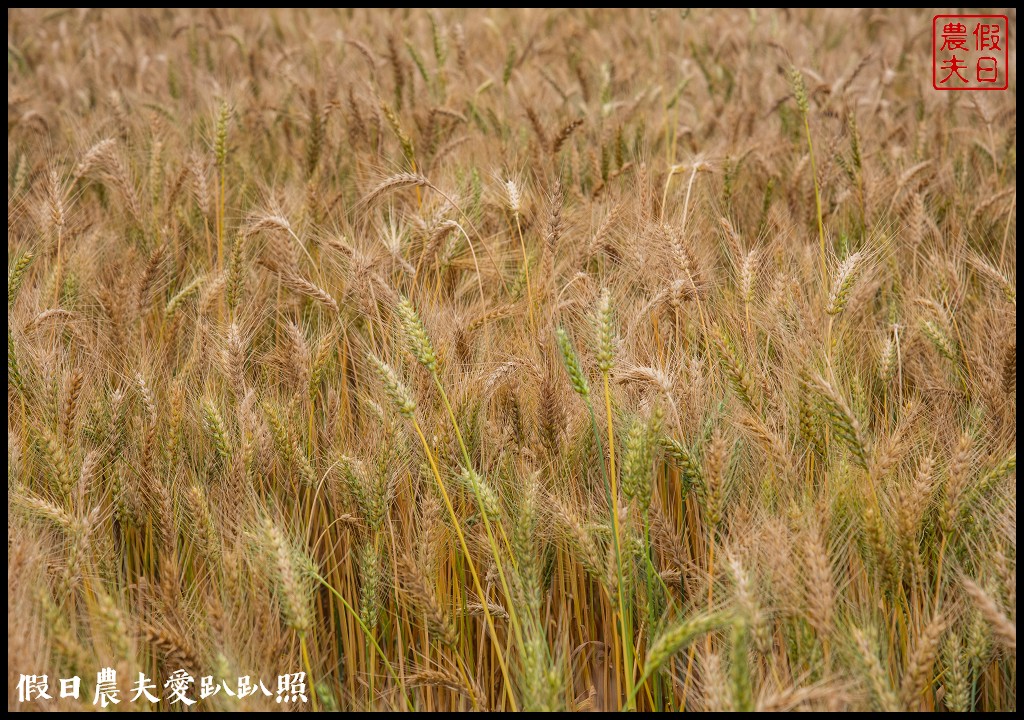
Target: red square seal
970,52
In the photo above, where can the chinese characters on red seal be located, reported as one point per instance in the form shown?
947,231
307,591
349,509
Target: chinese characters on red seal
970,52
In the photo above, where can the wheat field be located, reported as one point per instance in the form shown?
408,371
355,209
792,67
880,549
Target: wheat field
509,360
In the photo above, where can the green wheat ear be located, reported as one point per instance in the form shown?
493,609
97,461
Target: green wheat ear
416,335
605,333
220,146
403,139
677,636
796,80
846,277
16,275
636,464
217,430
396,390
490,505
942,342
572,364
